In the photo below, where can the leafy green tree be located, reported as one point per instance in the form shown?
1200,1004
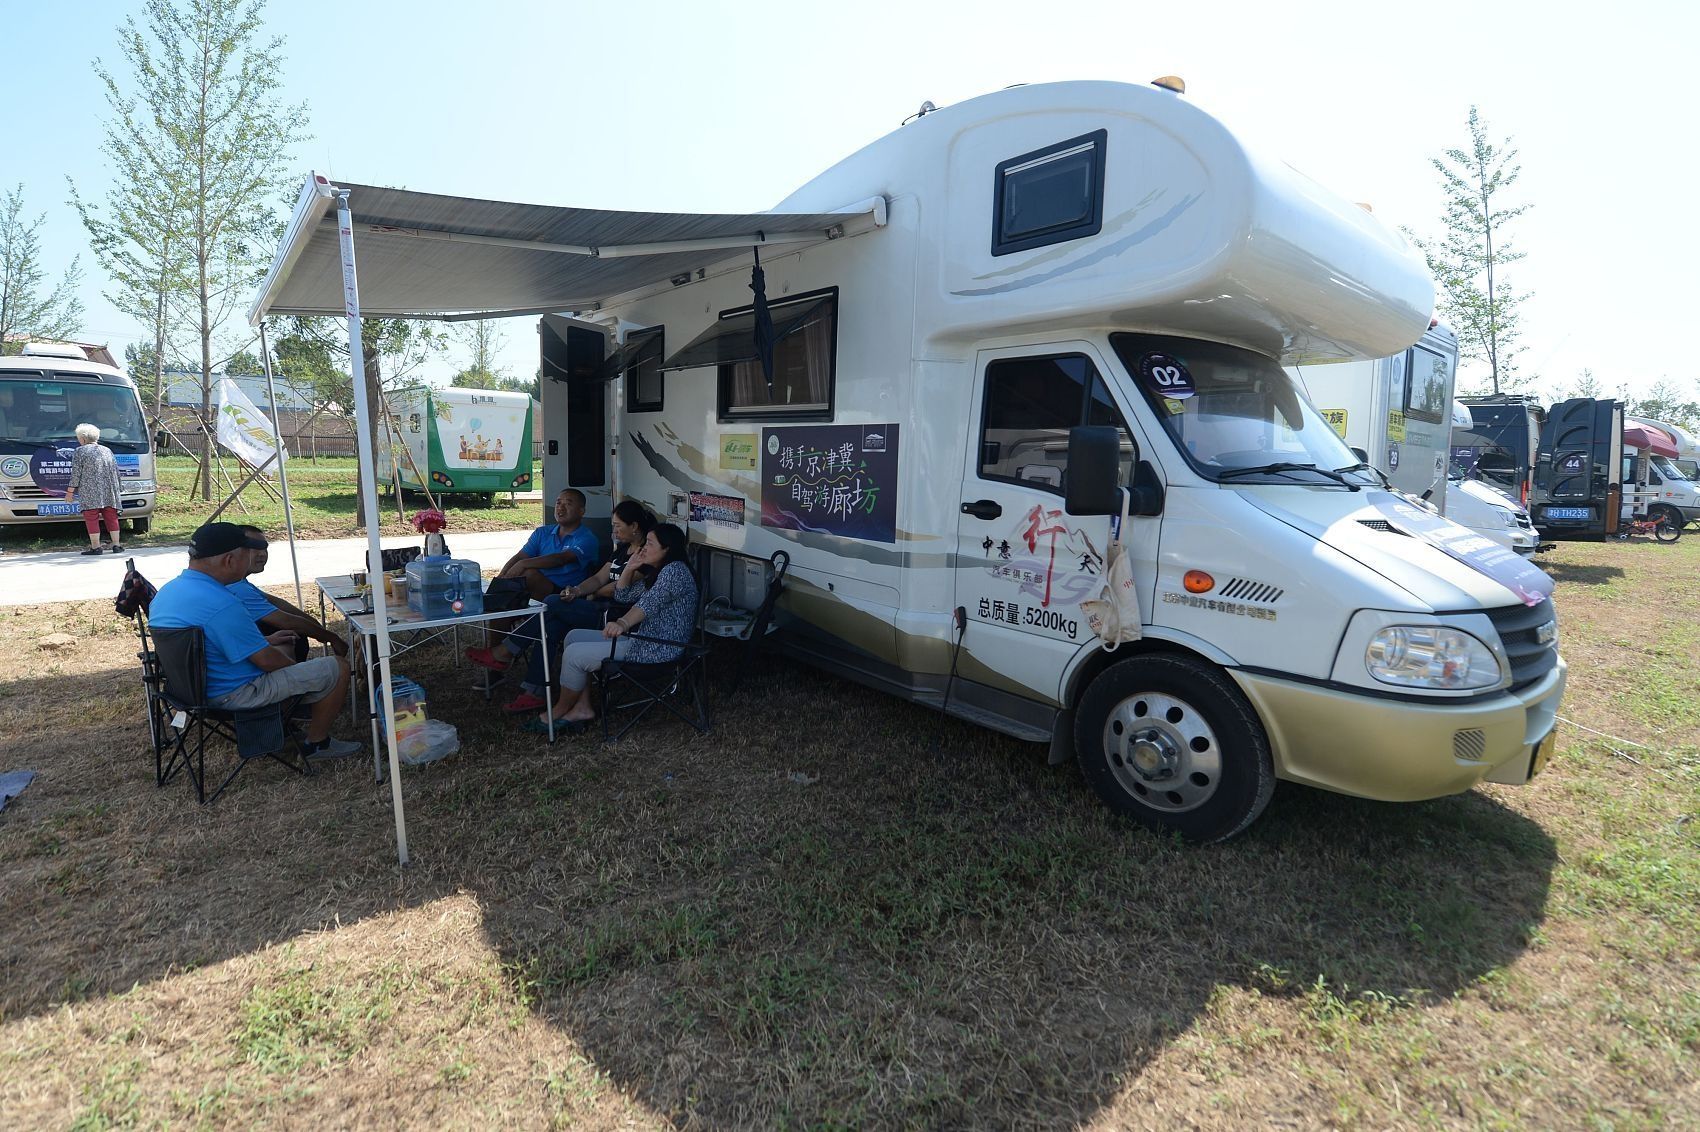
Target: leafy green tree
515,385
1666,401
475,378
28,308
203,90
1476,299
243,363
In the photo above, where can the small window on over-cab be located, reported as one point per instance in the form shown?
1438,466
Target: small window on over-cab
1428,387
1049,195
1030,405
641,362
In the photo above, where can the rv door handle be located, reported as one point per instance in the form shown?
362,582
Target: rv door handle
983,509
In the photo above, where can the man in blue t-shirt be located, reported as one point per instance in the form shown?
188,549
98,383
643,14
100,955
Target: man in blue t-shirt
273,613
245,669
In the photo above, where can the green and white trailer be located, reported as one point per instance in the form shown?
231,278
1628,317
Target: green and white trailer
464,440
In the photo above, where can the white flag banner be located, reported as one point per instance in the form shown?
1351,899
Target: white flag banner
243,429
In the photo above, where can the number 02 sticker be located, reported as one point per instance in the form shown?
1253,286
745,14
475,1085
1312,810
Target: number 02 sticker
1166,376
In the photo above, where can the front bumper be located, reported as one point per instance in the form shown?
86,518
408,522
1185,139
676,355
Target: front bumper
21,511
1396,750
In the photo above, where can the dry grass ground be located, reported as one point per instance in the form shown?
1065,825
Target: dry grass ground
842,911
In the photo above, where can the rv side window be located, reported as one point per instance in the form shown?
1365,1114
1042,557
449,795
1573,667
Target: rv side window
1049,195
645,384
803,364
1031,403
1428,387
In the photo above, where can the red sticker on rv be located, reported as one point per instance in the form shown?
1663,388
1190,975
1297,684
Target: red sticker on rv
1166,376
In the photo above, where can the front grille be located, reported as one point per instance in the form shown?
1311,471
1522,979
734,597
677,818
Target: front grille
1524,522
1519,632
1469,744
29,491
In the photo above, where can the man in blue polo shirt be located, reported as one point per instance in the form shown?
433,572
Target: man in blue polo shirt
557,555
244,669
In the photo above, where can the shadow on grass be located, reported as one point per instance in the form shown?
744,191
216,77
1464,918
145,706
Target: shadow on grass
1582,573
836,909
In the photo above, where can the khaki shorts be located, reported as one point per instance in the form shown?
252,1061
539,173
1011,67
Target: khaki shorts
312,680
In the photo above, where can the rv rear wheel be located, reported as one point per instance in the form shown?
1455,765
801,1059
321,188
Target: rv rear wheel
1169,742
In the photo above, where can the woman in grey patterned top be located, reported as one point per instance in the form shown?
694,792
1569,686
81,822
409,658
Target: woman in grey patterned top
94,487
663,595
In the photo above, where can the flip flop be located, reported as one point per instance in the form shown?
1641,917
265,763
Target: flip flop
563,726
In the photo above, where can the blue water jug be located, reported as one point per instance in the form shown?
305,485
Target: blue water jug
466,585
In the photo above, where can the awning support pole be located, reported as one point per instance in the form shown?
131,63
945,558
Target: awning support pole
282,464
363,420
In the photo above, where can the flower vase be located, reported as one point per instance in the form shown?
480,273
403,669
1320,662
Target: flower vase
434,545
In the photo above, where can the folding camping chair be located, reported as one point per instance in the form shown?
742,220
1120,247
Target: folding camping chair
135,595
756,633
630,687
182,662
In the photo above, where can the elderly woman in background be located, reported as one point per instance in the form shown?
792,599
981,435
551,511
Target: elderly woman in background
94,487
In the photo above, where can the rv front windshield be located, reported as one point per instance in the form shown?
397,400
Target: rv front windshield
44,410
1236,416
1665,468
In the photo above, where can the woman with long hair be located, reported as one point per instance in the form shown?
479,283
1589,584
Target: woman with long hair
662,594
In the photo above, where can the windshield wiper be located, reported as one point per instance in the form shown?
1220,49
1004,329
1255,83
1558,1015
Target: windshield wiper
1325,473
1360,466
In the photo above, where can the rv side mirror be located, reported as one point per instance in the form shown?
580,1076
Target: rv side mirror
1363,457
1094,461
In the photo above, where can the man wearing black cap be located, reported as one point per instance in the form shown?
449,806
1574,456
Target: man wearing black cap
244,669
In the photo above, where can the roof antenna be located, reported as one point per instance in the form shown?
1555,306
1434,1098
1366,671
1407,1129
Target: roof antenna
926,108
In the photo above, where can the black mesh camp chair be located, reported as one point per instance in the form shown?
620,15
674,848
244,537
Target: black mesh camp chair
193,721
678,685
134,597
756,632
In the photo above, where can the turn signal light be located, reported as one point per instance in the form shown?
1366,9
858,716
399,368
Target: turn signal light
1198,582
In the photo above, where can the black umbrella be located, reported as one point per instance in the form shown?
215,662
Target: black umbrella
764,321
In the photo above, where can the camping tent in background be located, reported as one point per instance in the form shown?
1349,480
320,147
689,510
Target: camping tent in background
443,257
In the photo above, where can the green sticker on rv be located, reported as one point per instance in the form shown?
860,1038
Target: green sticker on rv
738,452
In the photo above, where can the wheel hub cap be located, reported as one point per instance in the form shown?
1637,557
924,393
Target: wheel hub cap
1162,751
1153,755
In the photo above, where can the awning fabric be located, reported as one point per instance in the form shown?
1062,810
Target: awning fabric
1655,440
421,255
733,339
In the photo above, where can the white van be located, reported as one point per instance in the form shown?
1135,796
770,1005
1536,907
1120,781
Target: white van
1025,403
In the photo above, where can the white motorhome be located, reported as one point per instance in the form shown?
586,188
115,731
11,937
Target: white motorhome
1015,318
1396,410
1662,477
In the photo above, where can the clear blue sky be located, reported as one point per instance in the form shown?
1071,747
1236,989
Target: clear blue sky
648,105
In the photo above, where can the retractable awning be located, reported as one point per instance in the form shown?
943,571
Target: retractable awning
1654,439
422,255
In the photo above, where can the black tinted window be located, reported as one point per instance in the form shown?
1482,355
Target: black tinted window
1049,195
1031,403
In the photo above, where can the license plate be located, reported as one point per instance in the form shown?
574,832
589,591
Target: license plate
57,509
1568,513
1543,751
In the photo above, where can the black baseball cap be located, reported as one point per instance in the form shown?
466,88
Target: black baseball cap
213,539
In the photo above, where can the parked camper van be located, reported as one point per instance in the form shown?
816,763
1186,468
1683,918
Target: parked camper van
1502,446
1579,487
1397,410
45,393
1078,306
464,440
1008,391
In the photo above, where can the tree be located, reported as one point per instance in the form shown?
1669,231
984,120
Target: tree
483,340
475,378
1476,299
1665,402
515,385
244,364
25,311
208,83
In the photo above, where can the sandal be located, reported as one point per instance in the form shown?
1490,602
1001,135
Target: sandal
94,550
563,726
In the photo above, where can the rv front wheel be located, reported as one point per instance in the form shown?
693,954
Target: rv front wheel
1169,742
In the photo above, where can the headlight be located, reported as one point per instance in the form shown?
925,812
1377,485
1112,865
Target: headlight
1510,518
1431,656
139,485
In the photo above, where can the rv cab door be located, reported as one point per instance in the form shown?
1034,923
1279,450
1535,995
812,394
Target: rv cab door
578,426
1024,563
